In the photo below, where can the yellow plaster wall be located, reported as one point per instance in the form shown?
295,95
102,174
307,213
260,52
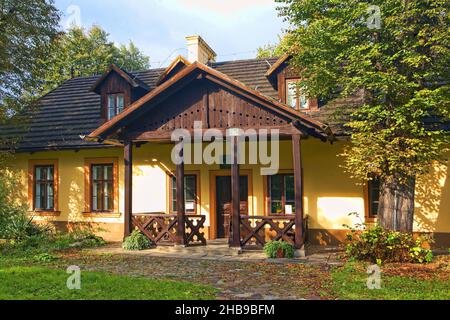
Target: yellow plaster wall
329,194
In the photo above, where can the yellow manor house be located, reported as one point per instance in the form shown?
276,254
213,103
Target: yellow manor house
99,152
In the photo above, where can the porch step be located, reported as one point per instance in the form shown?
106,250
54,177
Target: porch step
213,248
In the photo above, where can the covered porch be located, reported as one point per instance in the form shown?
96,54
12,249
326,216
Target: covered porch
200,99
229,212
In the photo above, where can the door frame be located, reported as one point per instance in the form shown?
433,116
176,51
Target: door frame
213,174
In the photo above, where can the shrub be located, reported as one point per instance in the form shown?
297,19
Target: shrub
19,226
44,257
279,249
46,243
136,241
378,245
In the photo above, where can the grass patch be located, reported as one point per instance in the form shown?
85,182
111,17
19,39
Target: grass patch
349,283
41,283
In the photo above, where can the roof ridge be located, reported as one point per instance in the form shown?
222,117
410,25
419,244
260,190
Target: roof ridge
134,72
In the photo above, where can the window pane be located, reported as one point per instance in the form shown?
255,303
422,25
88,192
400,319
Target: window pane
289,188
107,196
37,197
303,102
276,185
291,99
96,196
108,172
96,172
50,204
38,173
174,194
276,207
50,173
190,193
110,204
374,195
190,188
120,103
111,107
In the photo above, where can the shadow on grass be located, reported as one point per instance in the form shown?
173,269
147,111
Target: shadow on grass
39,283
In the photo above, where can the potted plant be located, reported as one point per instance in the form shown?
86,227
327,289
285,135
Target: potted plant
279,249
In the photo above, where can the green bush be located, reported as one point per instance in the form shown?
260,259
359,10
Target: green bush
136,241
46,243
279,249
19,226
44,257
378,245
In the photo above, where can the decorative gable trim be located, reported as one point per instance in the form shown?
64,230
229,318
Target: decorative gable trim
197,70
277,65
177,65
132,80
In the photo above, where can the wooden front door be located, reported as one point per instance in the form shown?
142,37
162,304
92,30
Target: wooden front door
223,203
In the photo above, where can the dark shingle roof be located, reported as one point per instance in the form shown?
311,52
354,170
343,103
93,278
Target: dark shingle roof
71,110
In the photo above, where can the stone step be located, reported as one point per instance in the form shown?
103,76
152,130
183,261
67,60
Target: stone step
210,250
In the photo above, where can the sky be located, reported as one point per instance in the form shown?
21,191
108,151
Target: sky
234,29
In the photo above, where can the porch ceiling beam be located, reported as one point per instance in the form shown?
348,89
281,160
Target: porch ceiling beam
284,131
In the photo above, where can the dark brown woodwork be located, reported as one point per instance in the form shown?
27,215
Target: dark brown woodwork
181,239
283,131
194,226
223,203
253,230
178,102
202,101
235,195
162,228
176,66
205,107
115,84
128,197
297,162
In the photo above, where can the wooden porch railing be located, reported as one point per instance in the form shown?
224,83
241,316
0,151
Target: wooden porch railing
162,228
257,230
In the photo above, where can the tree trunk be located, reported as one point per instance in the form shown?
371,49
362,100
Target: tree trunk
396,207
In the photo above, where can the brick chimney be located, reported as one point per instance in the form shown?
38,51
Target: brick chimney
199,50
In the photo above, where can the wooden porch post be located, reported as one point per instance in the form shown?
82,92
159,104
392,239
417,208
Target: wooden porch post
181,237
128,174
298,182
235,194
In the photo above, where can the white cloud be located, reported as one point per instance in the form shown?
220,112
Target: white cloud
223,13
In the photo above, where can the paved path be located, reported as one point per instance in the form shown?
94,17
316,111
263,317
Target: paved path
244,276
219,252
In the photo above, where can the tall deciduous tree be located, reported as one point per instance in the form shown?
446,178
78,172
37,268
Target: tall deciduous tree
78,52
26,30
275,50
397,52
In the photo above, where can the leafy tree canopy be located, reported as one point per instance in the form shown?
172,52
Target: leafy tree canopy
80,52
397,52
27,28
275,50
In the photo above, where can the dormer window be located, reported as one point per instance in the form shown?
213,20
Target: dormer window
115,104
294,97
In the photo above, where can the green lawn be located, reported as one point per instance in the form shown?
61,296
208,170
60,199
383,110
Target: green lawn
349,283
43,283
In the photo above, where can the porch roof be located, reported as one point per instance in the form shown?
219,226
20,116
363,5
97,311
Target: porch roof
198,70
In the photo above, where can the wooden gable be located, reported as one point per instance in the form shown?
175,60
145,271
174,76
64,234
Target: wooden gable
213,105
176,66
199,93
116,81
